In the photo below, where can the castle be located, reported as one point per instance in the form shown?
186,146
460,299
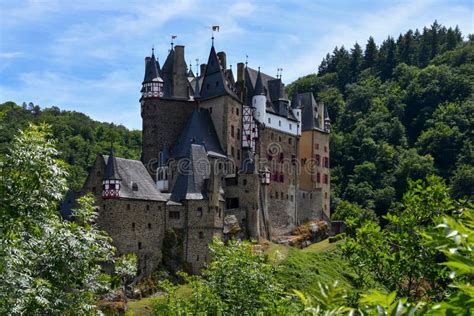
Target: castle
215,147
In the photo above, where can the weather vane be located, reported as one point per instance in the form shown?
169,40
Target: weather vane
215,28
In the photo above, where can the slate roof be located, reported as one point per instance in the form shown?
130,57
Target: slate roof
133,171
215,82
167,74
152,71
310,115
273,89
191,181
199,130
111,168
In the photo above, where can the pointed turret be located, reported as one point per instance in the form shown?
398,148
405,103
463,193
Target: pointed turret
214,82
259,84
259,99
152,85
111,182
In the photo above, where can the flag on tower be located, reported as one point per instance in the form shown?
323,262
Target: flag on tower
215,28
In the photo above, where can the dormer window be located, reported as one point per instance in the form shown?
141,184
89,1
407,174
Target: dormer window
134,186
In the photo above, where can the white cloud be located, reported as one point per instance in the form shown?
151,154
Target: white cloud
11,55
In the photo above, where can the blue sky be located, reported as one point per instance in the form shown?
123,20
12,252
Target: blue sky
89,55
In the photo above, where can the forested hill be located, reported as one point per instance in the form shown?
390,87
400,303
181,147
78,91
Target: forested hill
79,138
404,109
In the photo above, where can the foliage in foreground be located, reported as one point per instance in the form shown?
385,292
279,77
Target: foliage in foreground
47,265
230,286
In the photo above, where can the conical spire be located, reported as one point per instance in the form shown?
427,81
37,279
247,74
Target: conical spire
151,68
259,84
111,168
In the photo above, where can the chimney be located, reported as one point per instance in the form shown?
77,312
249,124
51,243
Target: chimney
240,72
222,59
180,80
203,69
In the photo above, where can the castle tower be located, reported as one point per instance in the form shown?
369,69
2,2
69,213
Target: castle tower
164,116
259,100
111,182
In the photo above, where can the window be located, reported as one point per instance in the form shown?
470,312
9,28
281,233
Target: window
279,139
232,130
197,257
282,156
276,195
311,196
232,150
201,235
291,198
281,195
238,134
317,146
237,111
174,214
128,206
290,127
272,136
326,179
318,160
325,149
199,212
326,162
325,195
304,195
279,123
147,207
210,110
133,226
103,206
318,177
98,173
232,203
269,120
282,179
149,225
139,245
290,140
244,182
93,190
217,83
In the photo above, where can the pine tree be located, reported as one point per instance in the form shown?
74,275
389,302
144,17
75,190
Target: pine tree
434,32
371,52
356,61
425,48
387,58
451,40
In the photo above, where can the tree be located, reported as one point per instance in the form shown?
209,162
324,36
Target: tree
371,52
47,264
356,61
462,182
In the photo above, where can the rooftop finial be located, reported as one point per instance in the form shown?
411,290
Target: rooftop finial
246,60
172,40
279,70
153,50
197,67
215,28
